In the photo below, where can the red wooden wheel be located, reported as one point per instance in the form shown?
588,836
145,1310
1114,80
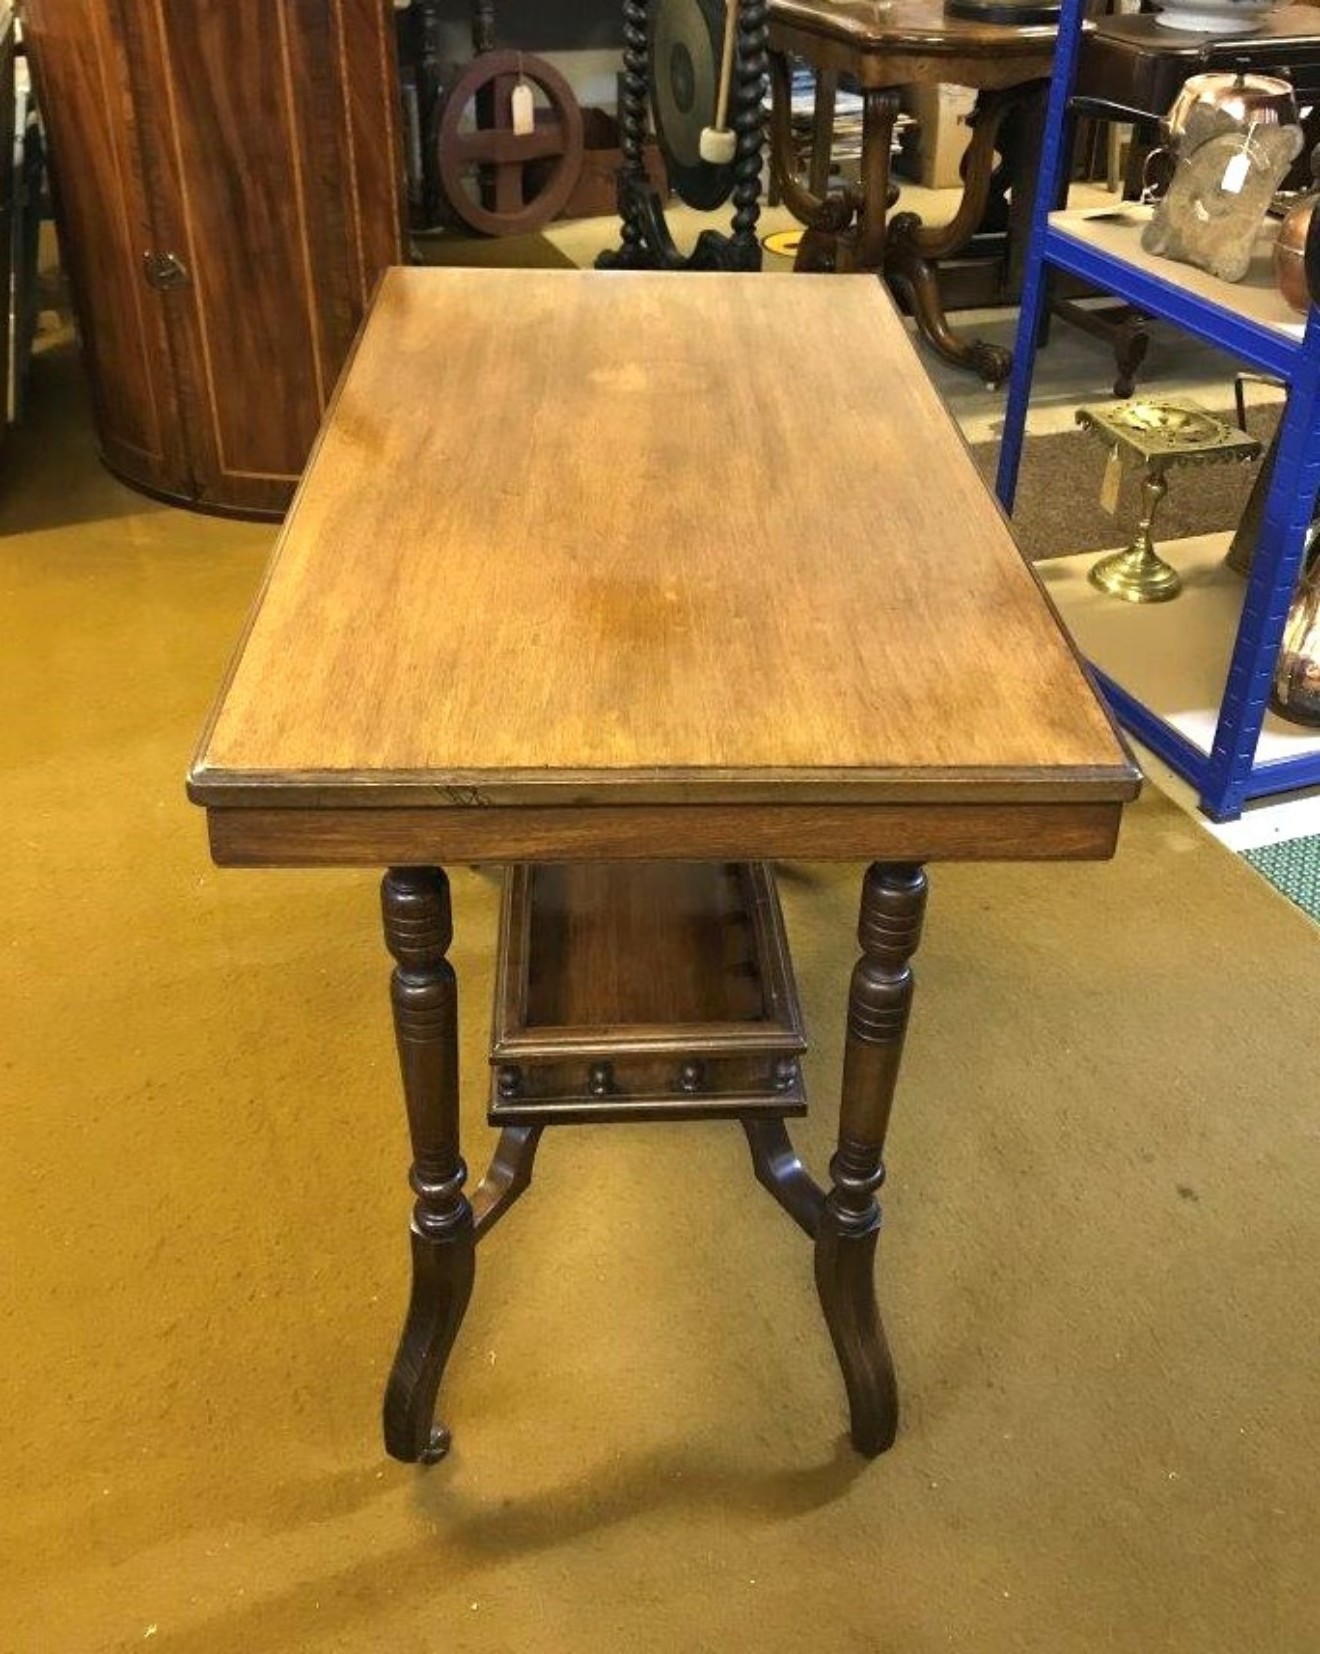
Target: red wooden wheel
510,201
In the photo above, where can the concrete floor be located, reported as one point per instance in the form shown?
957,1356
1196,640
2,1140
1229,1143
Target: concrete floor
1098,1268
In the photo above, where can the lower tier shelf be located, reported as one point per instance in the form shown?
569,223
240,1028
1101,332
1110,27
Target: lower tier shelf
644,991
1171,659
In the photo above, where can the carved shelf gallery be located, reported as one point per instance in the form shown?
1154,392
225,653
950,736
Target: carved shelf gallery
659,990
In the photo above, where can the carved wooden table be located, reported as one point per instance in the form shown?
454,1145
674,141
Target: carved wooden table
884,45
578,575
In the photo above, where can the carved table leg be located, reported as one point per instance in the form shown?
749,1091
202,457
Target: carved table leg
827,215
879,112
424,992
893,903
913,248
820,161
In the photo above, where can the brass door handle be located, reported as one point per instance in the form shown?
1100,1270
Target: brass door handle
165,270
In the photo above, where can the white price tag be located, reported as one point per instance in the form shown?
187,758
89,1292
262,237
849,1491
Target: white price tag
1236,173
1109,483
522,109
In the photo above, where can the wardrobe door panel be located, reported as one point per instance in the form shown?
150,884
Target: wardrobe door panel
282,169
373,142
232,198
81,76
261,139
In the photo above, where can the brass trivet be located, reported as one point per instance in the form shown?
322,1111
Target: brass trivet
1158,433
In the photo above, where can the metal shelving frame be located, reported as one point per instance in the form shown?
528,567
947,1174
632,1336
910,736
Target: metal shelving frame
1229,776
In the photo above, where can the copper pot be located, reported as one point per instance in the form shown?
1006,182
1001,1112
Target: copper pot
1290,254
1250,100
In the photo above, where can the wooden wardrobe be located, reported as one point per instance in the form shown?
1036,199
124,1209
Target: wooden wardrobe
229,182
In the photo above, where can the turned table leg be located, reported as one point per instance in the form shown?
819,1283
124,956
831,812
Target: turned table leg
893,903
424,992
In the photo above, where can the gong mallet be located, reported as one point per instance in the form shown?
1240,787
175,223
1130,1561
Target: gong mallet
718,145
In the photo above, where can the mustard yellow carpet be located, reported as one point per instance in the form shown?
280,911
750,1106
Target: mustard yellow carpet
1099,1265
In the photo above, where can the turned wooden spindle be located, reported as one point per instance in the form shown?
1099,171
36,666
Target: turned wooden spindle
752,71
634,114
424,993
879,1001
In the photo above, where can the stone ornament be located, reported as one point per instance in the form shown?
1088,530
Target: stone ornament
1222,187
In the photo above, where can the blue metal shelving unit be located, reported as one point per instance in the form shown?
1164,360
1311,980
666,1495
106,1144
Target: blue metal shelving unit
1230,775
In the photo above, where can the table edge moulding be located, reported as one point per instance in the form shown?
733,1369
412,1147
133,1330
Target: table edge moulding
577,575
1262,333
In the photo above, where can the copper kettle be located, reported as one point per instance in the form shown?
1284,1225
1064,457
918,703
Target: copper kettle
1290,253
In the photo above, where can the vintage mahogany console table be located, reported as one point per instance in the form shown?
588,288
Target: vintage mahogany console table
884,45
582,581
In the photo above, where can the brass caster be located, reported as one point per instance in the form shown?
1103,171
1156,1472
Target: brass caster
437,1447
1136,575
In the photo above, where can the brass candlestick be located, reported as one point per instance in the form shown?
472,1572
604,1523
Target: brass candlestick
1159,433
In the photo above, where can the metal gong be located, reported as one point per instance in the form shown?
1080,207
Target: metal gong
685,43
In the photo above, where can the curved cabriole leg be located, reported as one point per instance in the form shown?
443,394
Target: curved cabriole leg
879,112
508,1176
917,281
424,993
893,903
781,1173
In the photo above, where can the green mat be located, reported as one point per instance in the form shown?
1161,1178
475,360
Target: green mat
1294,868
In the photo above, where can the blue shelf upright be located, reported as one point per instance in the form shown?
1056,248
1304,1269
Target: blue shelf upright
1229,775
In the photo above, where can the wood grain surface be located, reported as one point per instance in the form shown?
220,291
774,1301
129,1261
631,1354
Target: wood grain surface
576,538
80,70
257,145
910,42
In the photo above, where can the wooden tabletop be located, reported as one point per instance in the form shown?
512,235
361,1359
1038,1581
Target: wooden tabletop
1288,26
582,540
898,42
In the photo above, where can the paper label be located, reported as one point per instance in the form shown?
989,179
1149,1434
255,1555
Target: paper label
1109,483
1236,173
522,110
